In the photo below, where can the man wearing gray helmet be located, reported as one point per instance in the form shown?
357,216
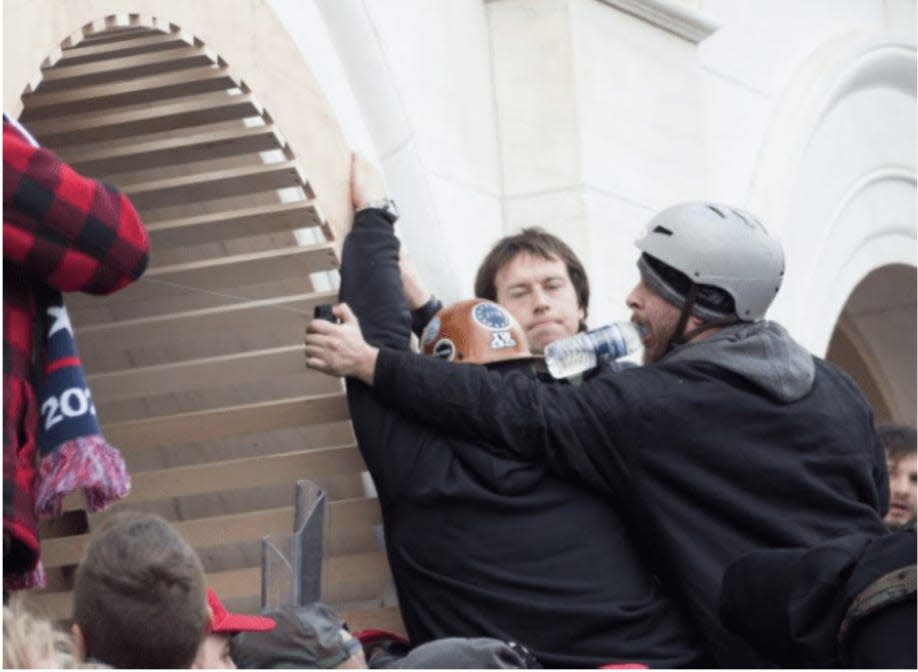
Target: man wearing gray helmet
731,438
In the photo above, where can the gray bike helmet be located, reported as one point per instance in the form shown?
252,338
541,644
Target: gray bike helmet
715,246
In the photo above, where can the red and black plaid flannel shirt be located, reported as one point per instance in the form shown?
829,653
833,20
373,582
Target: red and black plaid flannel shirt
64,231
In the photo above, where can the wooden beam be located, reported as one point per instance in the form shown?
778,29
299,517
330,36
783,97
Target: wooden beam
204,373
281,312
227,421
174,191
226,225
361,576
119,69
149,89
197,110
114,35
282,468
344,516
103,161
213,275
203,532
147,44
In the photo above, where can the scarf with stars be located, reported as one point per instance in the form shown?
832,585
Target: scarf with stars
72,451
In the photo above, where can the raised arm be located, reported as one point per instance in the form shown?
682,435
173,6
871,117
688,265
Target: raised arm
65,230
370,278
372,286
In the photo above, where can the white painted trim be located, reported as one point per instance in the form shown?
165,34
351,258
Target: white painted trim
681,21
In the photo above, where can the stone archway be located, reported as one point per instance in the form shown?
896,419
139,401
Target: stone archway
837,181
875,341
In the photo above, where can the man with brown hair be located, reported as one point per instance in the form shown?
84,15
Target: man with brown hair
899,441
534,275
139,596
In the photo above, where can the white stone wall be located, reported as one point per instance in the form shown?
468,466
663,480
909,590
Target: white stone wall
585,118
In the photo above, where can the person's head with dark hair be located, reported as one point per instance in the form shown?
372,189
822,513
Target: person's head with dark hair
900,442
139,595
539,279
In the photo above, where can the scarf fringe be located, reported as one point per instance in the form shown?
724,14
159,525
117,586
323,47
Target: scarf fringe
33,579
89,463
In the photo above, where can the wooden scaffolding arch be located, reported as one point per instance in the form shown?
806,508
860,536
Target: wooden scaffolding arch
197,370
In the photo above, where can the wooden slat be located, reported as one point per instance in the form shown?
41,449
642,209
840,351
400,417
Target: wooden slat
227,421
236,224
189,111
344,517
149,89
147,44
203,532
102,162
248,269
119,69
236,583
283,468
213,185
361,576
115,34
225,273
283,312
204,373
198,479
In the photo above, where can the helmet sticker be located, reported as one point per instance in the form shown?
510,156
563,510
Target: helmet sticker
491,316
444,349
501,340
430,331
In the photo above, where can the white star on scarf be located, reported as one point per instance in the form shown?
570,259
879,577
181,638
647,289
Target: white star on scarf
61,320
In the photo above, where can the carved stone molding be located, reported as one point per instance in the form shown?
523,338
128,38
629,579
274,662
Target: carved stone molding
678,20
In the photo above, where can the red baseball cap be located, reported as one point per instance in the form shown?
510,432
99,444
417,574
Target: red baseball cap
224,621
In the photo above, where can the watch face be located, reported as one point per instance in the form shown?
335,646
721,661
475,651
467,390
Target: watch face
491,316
429,335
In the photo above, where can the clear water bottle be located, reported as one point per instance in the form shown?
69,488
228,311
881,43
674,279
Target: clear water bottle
588,349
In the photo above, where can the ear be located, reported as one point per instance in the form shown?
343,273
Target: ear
79,640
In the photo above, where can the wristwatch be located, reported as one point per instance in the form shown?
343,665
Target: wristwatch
386,205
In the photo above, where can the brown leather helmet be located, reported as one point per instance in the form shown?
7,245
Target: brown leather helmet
475,331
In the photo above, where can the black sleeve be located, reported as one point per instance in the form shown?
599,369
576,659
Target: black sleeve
421,315
371,284
571,428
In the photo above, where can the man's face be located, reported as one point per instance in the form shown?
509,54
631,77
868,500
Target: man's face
903,490
214,653
540,295
657,317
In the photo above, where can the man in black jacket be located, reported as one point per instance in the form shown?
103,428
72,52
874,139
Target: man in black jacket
733,438
483,545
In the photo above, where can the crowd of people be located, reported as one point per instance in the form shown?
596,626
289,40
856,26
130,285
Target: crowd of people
728,503
729,442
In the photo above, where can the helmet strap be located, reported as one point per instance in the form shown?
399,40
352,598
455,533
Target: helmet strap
680,336
677,337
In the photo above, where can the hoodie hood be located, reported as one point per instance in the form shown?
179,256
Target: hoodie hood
762,352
